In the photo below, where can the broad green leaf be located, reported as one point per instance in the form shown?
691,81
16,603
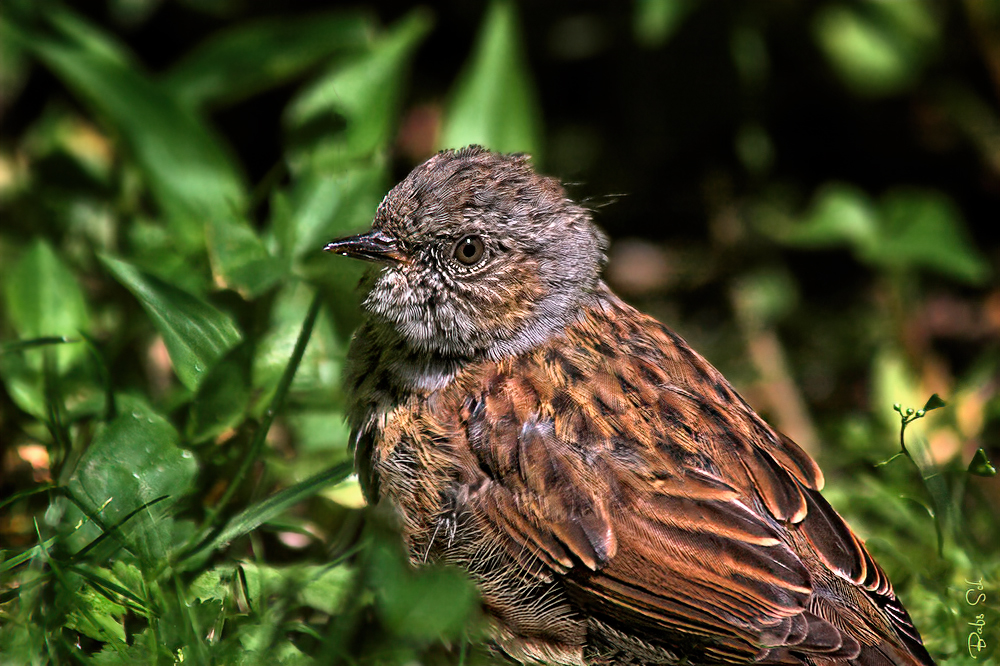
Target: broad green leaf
317,586
321,431
257,514
44,299
326,587
364,93
195,333
131,462
924,229
432,602
188,169
104,619
493,102
253,56
318,375
841,214
655,21
222,398
877,48
320,207
44,302
77,387
239,259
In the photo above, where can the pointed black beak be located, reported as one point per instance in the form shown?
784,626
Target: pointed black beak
372,246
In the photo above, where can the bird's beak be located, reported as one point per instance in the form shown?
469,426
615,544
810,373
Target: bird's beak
372,246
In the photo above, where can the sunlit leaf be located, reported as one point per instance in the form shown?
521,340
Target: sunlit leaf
840,214
322,206
493,102
44,299
877,48
655,21
44,302
221,399
363,93
259,513
133,461
188,169
239,259
104,619
925,229
429,603
195,333
253,56
319,372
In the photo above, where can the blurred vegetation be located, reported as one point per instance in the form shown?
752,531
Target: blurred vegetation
809,192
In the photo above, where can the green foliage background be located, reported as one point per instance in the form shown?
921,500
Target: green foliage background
808,192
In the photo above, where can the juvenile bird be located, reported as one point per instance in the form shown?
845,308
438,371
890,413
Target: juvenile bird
612,496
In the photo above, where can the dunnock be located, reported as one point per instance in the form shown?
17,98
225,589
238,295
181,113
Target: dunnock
612,496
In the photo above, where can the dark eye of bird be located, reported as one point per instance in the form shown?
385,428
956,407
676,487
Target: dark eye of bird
469,250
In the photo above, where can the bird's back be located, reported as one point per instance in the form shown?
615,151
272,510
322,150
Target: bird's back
617,501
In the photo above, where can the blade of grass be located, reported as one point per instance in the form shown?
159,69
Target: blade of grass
17,560
110,406
260,436
26,493
55,410
21,345
255,516
80,554
108,590
57,572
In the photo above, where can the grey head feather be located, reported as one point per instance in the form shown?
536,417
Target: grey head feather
542,257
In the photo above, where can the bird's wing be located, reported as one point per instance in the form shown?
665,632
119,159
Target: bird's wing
673,511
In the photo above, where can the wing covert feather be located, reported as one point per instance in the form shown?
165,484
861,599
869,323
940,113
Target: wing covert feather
683,507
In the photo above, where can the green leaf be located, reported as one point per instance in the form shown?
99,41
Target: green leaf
655,21
195,333
188,169
840,214
432,602
222,398
239,259
365,93
257,514
99,618
319,372
131,462
241,61
877,48
44,304
21,345
320,586
925,229
326,587
493,103
322,206
43,300
981,465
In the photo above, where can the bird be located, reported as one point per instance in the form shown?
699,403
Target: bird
611,495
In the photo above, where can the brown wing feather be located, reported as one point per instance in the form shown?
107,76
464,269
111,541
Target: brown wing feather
694,522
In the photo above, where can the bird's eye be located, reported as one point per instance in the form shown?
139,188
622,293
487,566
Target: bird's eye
469,250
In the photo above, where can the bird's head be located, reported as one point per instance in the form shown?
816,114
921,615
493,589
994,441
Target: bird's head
477,255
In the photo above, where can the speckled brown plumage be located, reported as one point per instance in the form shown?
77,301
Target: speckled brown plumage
613,497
